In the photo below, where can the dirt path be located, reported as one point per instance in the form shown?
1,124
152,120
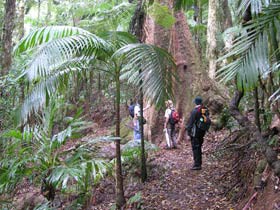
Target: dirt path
172,185
181,188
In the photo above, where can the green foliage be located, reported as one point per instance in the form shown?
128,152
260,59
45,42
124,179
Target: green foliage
108,16
183,4
162,15
152,61
136,200
131,154
251,50
274,141
225,119
40,156
65,50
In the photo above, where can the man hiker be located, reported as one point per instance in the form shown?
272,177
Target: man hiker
169,126
196,134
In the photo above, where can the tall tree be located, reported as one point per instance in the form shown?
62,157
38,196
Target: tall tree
219,18
66,50
177,39
135,28
7,37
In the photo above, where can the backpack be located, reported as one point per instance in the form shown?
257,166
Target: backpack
131,110
174,117
203,121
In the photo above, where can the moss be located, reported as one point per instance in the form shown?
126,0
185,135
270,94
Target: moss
261,166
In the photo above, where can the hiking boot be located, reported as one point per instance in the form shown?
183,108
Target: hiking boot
196,168
167,147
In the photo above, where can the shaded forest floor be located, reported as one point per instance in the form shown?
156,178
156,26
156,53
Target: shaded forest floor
172,185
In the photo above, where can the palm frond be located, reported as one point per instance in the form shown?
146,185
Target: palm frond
49,85
119,38
110,19
256,6
46,34
60,50
250,51
156,69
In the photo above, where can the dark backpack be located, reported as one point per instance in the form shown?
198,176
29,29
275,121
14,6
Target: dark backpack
131,110
174,117
203,121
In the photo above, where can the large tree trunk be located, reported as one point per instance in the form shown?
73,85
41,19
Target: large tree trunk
9,22
219,18
193,76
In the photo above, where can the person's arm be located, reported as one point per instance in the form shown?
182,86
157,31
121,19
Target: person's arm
166,122
147,107
166,115
191,121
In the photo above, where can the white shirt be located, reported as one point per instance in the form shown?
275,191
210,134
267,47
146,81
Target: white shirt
167,113
137,110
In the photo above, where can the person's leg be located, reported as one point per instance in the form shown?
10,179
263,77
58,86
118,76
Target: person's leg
196,157
173,136
168,137
136,132
200,141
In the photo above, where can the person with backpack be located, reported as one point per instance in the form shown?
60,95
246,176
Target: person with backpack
171,119
198,123
134,112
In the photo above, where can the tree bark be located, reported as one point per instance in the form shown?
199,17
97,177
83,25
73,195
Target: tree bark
257,109
20,19
120,200
179,42
7,39
219,18
136,26
212,41
143,153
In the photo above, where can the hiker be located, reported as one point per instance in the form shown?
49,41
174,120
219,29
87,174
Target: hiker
169,125
196,134
136,121
131,108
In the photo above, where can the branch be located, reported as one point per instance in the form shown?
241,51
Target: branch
250,201
234,110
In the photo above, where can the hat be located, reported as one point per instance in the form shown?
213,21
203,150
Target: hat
198,100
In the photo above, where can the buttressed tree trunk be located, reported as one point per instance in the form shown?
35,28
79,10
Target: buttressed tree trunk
193,76
9,22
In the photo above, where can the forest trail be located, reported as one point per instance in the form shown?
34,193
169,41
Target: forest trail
181,188
172,185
